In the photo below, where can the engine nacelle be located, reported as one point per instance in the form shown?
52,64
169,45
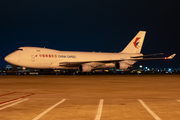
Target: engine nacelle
121,65
84,68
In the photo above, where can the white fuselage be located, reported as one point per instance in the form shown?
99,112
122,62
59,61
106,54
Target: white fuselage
43,58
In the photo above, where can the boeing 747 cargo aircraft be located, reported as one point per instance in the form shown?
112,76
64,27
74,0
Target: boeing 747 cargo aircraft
44,58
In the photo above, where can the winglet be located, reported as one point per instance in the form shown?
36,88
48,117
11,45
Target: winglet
171,57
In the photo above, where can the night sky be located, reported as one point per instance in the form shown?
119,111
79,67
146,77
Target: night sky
88,25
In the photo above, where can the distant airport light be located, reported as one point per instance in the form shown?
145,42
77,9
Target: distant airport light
140,66
169,69
165,58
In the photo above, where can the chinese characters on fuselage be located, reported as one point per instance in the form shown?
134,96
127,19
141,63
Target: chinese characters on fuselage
56,56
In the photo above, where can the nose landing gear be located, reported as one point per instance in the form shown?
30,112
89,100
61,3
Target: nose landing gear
24,68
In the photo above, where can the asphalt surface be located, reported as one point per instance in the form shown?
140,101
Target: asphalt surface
90,97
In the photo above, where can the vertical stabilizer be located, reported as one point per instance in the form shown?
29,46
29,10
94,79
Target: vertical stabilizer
136,43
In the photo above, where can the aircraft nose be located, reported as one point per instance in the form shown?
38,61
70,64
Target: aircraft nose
13,58
7,58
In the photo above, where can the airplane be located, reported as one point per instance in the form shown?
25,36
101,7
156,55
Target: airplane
44,58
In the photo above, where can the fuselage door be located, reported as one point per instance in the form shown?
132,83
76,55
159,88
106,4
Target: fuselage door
32,58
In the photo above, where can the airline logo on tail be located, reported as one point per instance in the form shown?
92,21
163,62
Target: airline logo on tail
136,42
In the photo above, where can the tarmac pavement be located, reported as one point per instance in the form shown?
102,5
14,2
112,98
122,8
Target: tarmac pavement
90,97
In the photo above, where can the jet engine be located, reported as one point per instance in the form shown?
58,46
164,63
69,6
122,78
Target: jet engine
121,65
85,68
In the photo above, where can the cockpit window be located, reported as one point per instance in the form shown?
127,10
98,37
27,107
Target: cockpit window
20,49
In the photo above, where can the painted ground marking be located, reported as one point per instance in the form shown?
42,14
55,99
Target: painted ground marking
98,116
149,110
46,111
13,104
7,94
17,98
10,102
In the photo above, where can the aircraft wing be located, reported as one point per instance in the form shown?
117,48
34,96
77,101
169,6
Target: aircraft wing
170,57
75,64
147,55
